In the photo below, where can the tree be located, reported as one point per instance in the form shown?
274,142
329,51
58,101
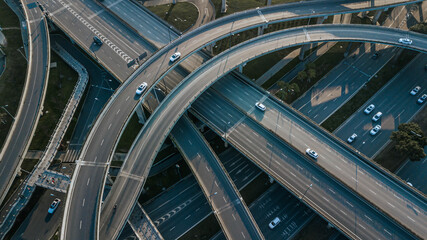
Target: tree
302,75
281,94
409,140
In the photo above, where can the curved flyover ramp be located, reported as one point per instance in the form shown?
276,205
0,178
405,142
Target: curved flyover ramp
27,117
155,131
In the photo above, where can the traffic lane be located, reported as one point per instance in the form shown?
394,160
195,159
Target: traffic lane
81,220
39,224
322,100
235,218
395,110
413,172
277,202
335,160
257,133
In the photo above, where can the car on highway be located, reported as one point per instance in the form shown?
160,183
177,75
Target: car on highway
260,106
312,153
141,88
274,223
175,56
97,41
405,41
369,109
422,98
415,90
54,205
375,56
352,138
375,130
377,116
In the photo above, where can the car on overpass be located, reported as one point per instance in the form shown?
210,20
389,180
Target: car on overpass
377,116
175,56
422,99
141,88
405,41
274,223
312,153
415,90
260,106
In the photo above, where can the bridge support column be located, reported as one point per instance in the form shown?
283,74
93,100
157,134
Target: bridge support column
320,20
268,2
302,51
223,6
346,18
174,2
377,15
261,30
347,51
141,115
210,47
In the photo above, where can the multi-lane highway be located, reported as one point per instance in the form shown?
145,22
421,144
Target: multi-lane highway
175,104
396,110
203,35
27,116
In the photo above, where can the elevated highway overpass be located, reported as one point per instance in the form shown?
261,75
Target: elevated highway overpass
177,102
217,31
31,103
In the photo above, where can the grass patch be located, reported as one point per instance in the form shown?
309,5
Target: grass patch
129,135
384,75
62,80
16,68
391,159
181,15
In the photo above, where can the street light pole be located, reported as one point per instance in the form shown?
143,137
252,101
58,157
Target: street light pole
306,191
4,107
179,173
225,132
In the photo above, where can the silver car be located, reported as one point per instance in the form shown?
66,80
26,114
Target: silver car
415,90
375,130
377,116
352,138
260,106
312,153
369,109
175,56
405,41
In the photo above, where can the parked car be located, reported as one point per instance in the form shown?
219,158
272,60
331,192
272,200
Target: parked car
422,98
260,106
54,205
352,138
377,116
97,41
274,223
415,90
175,56
141,88
369,109
312,153
405,41
375,130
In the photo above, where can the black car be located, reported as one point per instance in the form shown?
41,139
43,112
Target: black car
97,41
375,55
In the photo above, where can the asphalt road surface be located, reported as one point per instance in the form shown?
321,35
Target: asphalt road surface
27,116
231,211
396,104
132,174
414,172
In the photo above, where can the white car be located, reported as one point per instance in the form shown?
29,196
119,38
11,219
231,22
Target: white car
312,153
260,106
375,130
274,223
406,41
352,138
415,90
175,56
369,109
141,88
377,116
54,205
422,98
